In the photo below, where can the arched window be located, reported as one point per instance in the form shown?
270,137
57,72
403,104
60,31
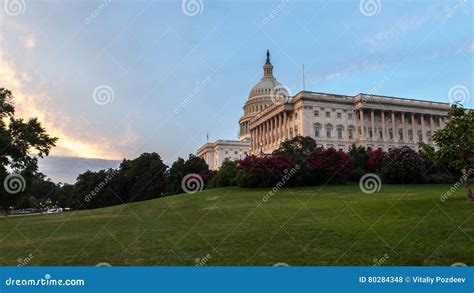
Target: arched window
350,130
317,129
328,130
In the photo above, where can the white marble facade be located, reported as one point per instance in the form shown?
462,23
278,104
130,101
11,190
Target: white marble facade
337,121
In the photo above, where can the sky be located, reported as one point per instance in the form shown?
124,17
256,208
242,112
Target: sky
113,79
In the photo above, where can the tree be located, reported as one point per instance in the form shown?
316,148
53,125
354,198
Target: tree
375,160
298,150
145,177
402,165
18,139
437,168
329,165
174,176
265,171
456,142
180,168
225,176
359,158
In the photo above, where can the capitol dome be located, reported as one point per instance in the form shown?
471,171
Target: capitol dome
268,85
266,92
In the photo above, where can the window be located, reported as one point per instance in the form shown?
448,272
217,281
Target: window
328,114
235,153
419,135
349,116
328,132
339,133
351,134
428,135
400,133
316,113
390,133
316,131
410,134
339,115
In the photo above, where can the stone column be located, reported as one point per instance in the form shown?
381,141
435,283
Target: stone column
280,128
255,138
383,124
270,134
361,122
423,130
394,132
372,122
431,128
413,128
404,127
284,126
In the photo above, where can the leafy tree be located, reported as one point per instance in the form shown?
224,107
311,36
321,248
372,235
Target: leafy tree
94,190
18,139
437,169
298,150
329,165
181,168
375,160
225,176
359,157
263,171
456,143
402,165
175,175
144,177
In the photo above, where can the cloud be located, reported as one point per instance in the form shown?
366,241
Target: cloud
29,103
28,41
401,28
364,64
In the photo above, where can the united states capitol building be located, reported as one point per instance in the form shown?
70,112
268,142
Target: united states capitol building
271,116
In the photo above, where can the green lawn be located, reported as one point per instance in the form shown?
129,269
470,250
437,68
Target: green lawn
334,225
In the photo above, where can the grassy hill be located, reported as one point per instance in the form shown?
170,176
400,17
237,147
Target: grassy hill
333,225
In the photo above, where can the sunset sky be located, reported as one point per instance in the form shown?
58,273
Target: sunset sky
114,79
